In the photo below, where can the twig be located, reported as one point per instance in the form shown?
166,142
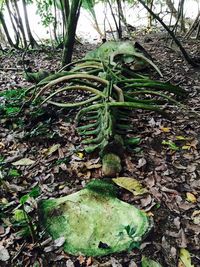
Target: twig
14,69
19,251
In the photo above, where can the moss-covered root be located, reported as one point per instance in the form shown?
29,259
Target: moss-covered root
111,165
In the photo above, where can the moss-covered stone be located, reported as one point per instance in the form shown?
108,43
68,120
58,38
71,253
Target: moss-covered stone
111,165
94,223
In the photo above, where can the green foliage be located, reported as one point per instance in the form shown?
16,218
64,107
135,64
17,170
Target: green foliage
13,173
89,6
170,144
44,10
11,101
21,218
130,230
146,262
35,192
13,94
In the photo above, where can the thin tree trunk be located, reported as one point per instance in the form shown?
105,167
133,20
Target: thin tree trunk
180,18
66,12
178,43
19,22
198,31
71,31
17,36
3,23
183,29
115,21
55,22
119,9
172,9
193,27
30,36
150,17
2,37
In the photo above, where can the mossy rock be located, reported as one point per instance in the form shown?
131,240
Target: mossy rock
94,221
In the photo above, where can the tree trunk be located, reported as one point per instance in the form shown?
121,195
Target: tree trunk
30,36
55,22
172,9
183,29
120,15
171,33
2,38
194,26
3,23
19,22
198,31
17,36
71,31
150,17
66,11
119,32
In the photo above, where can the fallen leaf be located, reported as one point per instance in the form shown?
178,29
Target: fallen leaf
59,241
190,197
193,144
196,217
89,165
80,155
171,145
2,146
183,239
180,137
51,149
2,230
89,261
4,255
69,263
132,264
165,129
81,259
141,162
186,147
145,201
114,262
191,168
56,244
23,162
13,187
131,185
146,262
185,258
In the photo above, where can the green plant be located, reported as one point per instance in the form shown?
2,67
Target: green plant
112,86
21,217
11,101
13,173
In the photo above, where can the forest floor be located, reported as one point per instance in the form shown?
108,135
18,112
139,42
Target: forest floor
47,138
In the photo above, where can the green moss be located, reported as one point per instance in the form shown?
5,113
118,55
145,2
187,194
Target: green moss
92,222
105,188
111,165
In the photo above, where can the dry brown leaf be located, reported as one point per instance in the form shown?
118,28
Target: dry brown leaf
196,217
89,261
4,254
23,162
141,163
131,185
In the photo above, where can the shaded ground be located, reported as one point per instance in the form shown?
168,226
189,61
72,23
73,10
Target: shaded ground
171,173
